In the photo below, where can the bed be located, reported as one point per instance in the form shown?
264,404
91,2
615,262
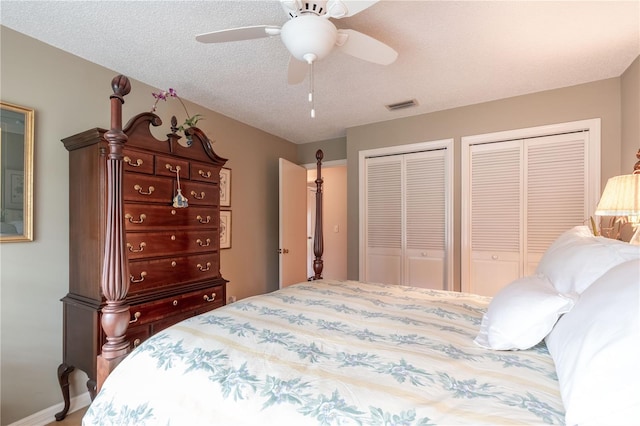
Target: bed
558,347
329,352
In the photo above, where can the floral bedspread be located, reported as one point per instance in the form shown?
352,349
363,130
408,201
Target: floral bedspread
331,353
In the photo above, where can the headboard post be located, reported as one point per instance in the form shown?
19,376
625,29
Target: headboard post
318,241
115,270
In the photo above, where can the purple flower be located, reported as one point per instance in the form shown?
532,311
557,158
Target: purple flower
190,121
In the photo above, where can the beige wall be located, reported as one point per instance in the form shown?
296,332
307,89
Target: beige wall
71,95
600,99
630,90
332,149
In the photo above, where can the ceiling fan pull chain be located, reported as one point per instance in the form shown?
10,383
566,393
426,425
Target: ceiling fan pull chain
311,100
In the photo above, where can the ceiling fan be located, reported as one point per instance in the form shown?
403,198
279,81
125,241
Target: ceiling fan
309,35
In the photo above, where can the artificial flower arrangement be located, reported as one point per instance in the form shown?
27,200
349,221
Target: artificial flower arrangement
179,201
190,121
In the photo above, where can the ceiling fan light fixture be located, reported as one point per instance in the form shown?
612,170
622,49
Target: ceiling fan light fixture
309,34
295,8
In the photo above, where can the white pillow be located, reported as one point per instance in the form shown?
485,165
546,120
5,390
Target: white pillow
577,258
596,349
522,314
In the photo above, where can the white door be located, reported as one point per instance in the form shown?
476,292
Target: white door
311,225
292,223
518,197
406,225
425,220
383,209
496,214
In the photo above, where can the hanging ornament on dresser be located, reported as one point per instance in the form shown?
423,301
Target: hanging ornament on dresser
179,201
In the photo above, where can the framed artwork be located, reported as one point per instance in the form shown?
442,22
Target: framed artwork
16,173
225,229
225,187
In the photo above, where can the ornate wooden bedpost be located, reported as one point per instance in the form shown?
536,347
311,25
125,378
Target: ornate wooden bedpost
318,242
115,270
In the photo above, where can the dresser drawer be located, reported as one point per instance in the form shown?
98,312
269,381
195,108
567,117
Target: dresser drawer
136,161
203,172
146,313
138,187
137,335
139,217
200,193
153,244
146,275
170,166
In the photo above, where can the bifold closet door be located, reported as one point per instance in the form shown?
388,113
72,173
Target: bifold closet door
424,254
405,219
496,205
384,200
523,195
556,185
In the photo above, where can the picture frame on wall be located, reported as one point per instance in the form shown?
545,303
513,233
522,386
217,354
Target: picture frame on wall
225,229
225,187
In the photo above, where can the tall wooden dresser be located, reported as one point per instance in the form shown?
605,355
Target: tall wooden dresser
173,249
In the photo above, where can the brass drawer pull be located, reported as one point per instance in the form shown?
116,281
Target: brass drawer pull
136,343
142,275
142,192
138,162
201,244
170,168
136,317
202,220
195,195
132,220
175,303
204,268
204,174
132,250
210,299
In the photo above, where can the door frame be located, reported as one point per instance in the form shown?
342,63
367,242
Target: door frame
447,144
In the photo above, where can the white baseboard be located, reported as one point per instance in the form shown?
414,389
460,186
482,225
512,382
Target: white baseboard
47,415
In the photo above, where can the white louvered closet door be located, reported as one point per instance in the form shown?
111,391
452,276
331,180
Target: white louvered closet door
424,256
556,191
405,219
523,195
384,220
496,214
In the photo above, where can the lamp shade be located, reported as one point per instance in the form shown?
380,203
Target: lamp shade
621,197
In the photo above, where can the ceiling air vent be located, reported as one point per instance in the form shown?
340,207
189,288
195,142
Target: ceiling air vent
402,105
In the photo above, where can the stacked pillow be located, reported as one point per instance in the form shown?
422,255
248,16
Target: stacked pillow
522,313
594,284
578,258
596,349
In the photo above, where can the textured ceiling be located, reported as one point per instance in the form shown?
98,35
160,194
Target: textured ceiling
450,54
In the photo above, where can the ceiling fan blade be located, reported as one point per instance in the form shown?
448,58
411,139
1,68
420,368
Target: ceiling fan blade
364,47
345,8
237,34
297,71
